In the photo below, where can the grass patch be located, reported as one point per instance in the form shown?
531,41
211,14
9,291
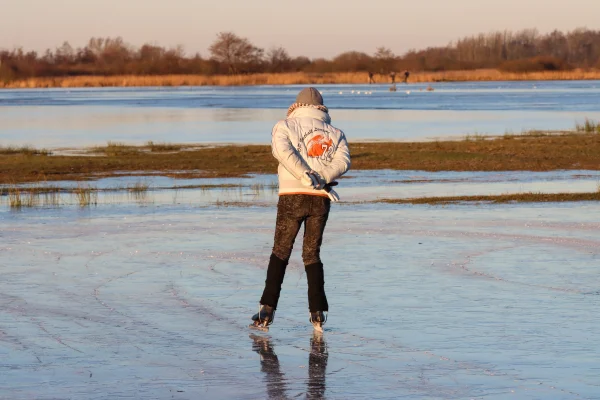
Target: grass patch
536,133
206,187
23,150
522,152
504,198
115,149
157,147
588,126
475,137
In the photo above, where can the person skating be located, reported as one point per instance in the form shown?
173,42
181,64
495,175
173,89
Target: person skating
406,75
312,154
371,80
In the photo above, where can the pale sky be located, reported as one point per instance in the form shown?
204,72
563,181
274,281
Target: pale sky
314,28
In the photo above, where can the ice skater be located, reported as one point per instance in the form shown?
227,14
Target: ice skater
406,75
312,154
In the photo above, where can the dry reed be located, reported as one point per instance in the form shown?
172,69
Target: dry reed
33,196
138,187
588,126
115,149
86,195
297,78
24,150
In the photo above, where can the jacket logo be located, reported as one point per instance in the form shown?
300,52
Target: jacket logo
320,147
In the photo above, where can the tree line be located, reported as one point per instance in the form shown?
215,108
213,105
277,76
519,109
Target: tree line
522,51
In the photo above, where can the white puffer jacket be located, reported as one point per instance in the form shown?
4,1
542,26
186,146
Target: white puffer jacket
306,141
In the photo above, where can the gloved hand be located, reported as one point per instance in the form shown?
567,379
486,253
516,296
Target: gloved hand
313,180
333,196
309,180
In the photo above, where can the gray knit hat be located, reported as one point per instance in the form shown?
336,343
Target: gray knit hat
310,96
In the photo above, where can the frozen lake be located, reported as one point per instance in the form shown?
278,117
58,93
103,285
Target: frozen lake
83,117
152,299
149,295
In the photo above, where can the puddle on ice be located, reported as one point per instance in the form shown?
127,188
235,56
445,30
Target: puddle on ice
359,186
453,302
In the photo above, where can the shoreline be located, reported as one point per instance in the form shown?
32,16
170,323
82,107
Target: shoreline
51,196
299,78
527,197
532,151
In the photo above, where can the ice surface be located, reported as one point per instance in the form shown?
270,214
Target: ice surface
153,302
93,116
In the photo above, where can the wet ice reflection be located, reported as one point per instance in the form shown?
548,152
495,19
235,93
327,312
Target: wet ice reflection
274,376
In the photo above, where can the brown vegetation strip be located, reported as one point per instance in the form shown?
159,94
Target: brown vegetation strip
504,198
510,153
522,51
292,78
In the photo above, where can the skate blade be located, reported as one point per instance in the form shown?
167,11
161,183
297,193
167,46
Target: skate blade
259,328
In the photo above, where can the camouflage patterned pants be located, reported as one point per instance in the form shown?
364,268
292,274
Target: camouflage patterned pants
292,211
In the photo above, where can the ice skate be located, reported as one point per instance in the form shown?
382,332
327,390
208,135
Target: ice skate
318,319
263,318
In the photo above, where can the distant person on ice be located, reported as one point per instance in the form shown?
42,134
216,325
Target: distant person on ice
371,80
406,75
312,154
393,77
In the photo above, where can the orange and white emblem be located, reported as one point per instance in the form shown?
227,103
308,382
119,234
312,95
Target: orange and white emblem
320,147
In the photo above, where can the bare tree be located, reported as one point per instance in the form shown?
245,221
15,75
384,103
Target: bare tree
300,63
353,61
235,52
383,53
279,59
384,59
64,53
